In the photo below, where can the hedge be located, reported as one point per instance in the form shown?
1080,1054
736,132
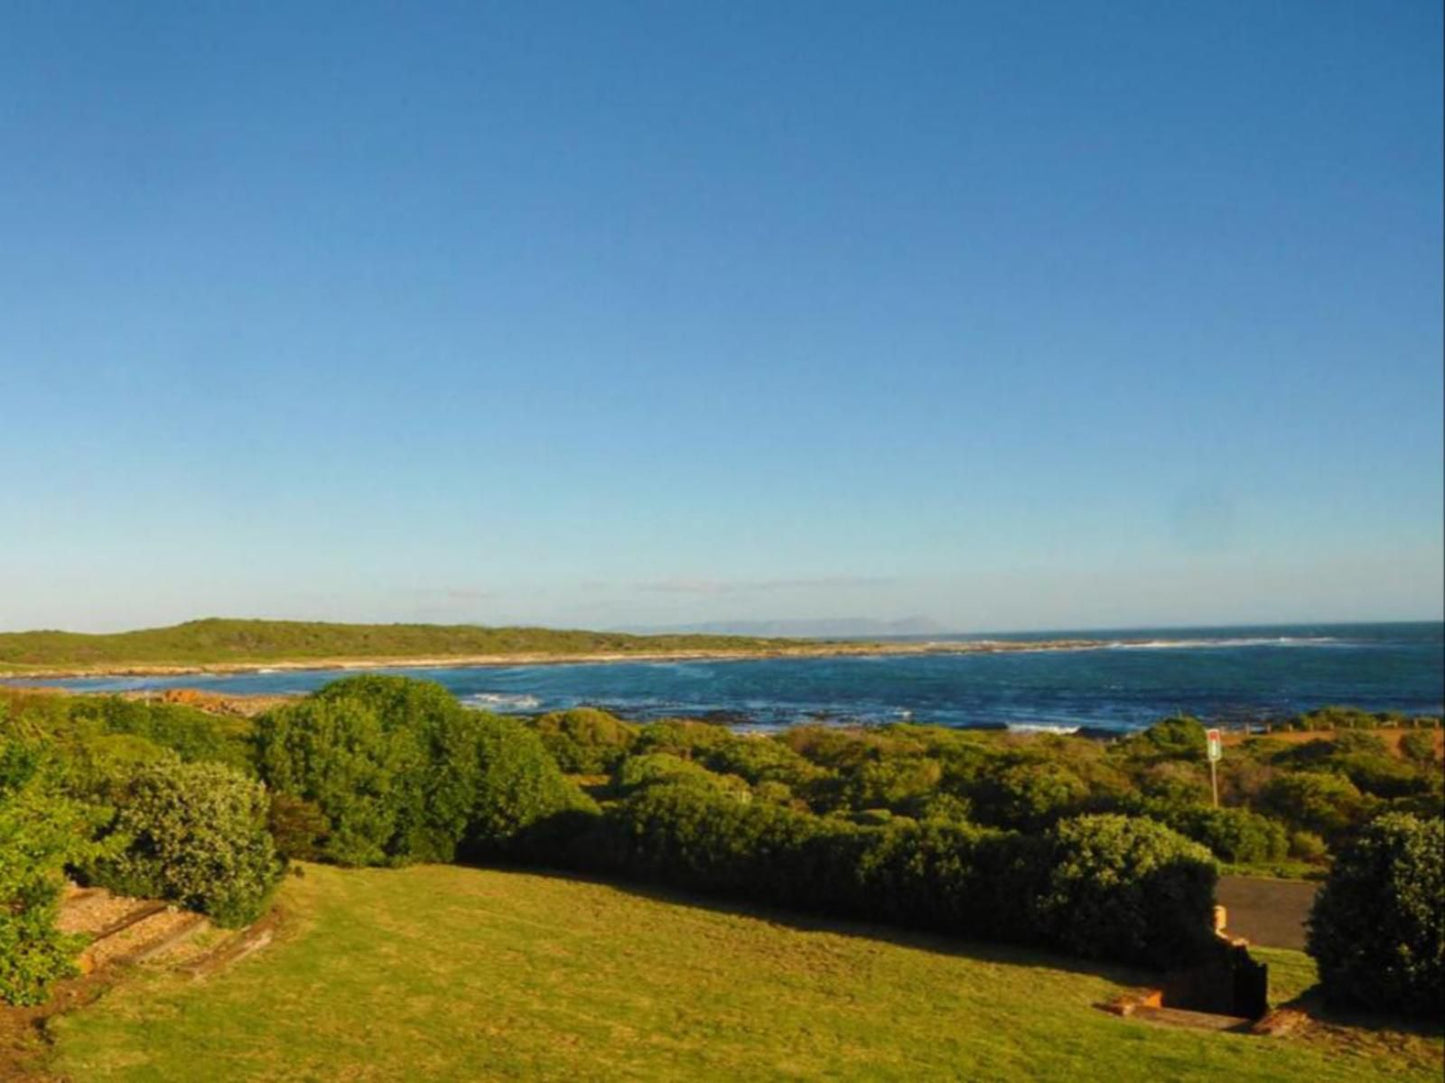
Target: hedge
1108,887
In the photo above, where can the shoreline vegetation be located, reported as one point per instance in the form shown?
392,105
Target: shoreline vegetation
216,645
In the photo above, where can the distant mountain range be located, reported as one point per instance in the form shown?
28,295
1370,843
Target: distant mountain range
817,628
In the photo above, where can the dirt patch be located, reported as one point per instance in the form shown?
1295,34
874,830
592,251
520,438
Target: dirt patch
1389,735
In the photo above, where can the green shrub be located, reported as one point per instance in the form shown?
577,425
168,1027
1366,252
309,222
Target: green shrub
1105,887
195,833
665,769
192,734
1381,774
1175,782
100,770
428,753
681,737
298,826
40,831
584,740
900,783
1236,835
1326,804
1340,718
1029,795
1307,846
1128,889
1181,737
758,758
1376,927
402,772
776,793
1418,746
342,757
519,788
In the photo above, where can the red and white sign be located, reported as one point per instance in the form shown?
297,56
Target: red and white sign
1216,745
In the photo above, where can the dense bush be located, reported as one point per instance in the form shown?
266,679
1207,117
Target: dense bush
430,760
663,768
1235,835
402,772
1342,718
1376,928
702,839
1030,795
1181,737
68,722
298,826
1307,846
40,831
584,740
340,756
195,833
1128,889
518,789
100,770
681,737
759,759
192,734
1326,804
1418,746
1103,886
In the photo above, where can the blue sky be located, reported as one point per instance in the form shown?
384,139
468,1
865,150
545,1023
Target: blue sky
1005,315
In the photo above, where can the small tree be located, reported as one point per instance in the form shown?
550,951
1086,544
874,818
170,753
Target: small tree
1376,927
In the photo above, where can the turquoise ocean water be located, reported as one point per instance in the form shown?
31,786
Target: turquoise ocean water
1126,679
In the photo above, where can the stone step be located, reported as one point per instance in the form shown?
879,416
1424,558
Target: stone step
97,912
188,926
142,910
237,946
120,944
1179,1017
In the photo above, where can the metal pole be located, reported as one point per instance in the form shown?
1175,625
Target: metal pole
1214,780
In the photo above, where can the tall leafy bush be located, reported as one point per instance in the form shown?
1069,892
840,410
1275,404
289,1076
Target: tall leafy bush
1376,926
40,831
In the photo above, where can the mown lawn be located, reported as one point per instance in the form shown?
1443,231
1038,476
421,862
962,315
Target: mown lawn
442,973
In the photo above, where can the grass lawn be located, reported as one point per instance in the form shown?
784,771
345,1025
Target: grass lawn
443,973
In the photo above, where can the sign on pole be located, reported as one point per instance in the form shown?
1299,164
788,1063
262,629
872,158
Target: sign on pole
1215,741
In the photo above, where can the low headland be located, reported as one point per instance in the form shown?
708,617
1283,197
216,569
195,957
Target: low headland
219,645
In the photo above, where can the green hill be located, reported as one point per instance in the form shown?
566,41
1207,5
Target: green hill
448,973
238,642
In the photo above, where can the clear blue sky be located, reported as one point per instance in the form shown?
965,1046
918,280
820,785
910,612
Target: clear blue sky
1006,315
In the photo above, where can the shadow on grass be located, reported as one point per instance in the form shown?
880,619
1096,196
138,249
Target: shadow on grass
1312,1003
801,921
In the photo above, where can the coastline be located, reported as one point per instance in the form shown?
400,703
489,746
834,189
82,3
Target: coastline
478,661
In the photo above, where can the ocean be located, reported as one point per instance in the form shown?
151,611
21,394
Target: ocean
1124,680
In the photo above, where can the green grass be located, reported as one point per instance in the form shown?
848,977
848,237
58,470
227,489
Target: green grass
444,973
221,642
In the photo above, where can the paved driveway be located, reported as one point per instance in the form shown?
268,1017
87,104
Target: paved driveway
1270,913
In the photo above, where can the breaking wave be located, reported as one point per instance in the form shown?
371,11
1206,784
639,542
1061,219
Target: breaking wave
502,701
